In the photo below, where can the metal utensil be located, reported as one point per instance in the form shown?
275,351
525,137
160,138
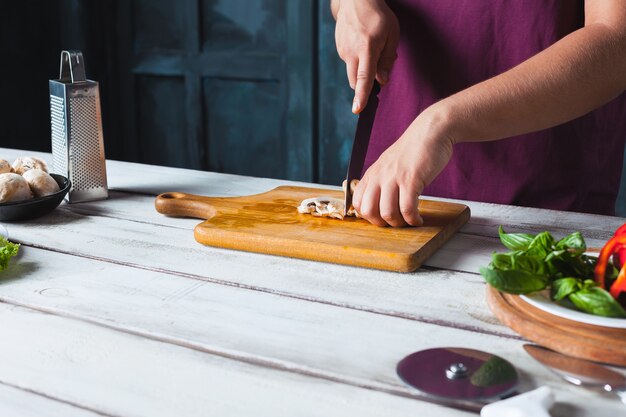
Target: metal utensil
361,142
76,123
472,380
580,371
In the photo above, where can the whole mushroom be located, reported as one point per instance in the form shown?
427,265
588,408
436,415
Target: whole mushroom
23,164
40,182
5,167
13,187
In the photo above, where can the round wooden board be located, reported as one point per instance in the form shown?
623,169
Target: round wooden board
586,341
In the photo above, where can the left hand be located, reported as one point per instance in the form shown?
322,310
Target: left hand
388,192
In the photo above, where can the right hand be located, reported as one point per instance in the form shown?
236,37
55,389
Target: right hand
367,35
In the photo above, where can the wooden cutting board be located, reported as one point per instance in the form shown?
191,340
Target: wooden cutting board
581,340
270,223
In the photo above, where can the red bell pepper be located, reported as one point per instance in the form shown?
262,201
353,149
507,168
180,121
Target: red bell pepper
619,257
615,246
619,285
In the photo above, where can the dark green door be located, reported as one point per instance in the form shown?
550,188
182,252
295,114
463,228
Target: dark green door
221,85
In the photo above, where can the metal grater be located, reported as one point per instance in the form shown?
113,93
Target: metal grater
77,139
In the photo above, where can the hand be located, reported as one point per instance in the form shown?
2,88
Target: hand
366,35
388,192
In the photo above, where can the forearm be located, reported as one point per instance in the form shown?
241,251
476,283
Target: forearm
577,74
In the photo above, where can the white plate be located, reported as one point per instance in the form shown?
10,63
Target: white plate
542,301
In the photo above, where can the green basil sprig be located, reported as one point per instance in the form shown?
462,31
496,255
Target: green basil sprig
537,262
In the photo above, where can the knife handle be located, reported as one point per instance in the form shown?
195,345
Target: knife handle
535,403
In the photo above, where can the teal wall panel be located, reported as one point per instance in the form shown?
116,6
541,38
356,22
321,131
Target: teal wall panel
158,24
162,121
244,25
244,127
336,121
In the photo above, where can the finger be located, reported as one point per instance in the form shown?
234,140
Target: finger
351,69
357,195
389,206
383,69
364,80
369,205
408,204
387,57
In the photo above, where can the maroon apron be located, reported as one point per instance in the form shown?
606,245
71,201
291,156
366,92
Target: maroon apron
449,45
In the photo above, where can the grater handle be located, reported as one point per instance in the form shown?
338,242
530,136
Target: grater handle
72,67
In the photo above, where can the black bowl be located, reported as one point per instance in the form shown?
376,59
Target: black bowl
35,207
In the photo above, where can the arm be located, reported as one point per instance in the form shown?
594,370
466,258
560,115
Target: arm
575,75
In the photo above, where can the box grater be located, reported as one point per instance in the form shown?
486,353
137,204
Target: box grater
77,139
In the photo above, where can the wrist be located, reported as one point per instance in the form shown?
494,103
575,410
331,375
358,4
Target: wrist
335,5
439,121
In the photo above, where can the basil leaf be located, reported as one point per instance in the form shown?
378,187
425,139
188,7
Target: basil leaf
597,301
573,242
541,245
514,281
518,260
501,261
563,287
529,264
515,241
562,263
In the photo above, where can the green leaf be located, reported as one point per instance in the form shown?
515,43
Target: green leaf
596,300
563,287
514,281
562,263
528,263
515,241
573,242
7,251
518,260
541,245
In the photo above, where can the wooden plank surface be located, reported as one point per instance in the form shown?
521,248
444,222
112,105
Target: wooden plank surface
15,401
269,223
106,268
331,343
121,374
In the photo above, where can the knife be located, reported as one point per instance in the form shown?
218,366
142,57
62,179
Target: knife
580,372
361,142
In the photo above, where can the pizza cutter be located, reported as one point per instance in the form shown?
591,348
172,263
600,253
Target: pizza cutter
472,380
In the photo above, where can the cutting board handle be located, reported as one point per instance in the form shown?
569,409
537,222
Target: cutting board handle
185,205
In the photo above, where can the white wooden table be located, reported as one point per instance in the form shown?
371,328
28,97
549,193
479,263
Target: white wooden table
113,309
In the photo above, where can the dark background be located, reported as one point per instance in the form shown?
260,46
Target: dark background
251,87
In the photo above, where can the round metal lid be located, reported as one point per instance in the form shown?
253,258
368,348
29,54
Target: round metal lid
458,373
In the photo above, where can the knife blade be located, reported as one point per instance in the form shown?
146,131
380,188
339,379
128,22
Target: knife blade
361,142
579,371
